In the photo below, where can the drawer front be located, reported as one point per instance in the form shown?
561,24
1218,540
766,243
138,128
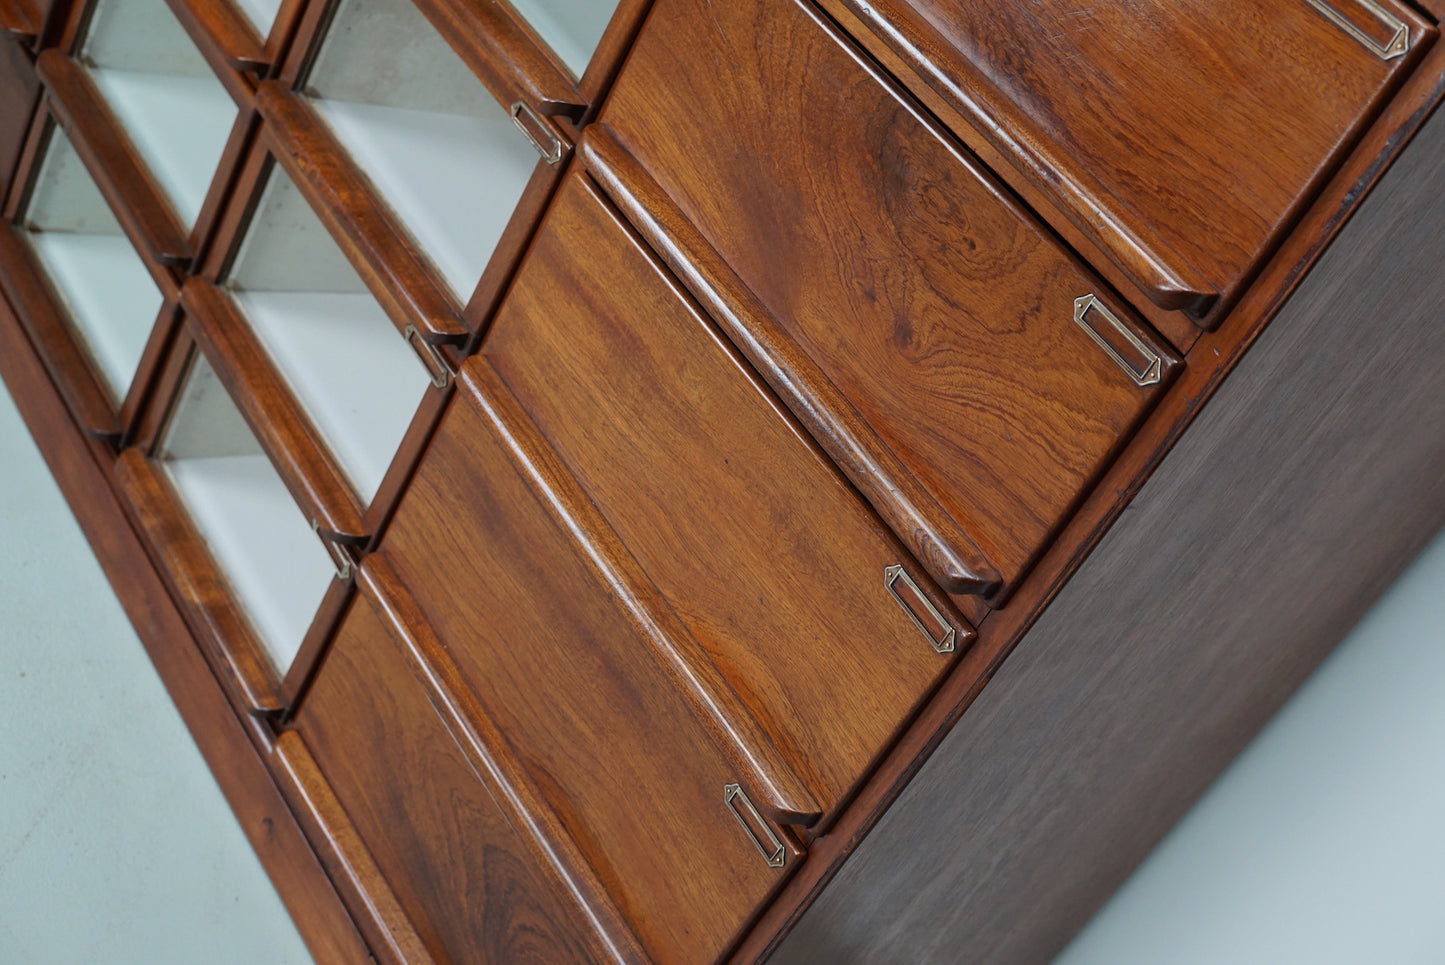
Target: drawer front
942,313
774,566
573,680
1183,137
455,864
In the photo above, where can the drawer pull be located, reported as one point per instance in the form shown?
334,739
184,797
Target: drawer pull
912,600
1136,358
757,829
1396,39
431,359
548,145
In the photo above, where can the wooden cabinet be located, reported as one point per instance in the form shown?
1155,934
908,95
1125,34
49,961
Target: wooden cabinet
601,455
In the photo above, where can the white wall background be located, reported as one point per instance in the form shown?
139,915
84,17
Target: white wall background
116,845
1324,843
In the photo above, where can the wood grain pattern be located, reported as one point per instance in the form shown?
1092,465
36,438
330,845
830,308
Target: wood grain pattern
133,193
277,418
396,272
350,862
1310,480
768,557
934,537
564,671
779,790
228,742
556,855
927,297
457,867
1220,123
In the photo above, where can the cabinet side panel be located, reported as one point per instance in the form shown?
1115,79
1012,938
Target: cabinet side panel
1315,475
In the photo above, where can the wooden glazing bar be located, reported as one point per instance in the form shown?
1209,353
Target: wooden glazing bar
150,369
223,24
138,201
16,21
45,321
278,420
949,554
346,857
400,277
786,797
182,556
558,857
506,56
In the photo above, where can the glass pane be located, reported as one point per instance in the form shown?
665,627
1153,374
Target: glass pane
339,352
108,293
160,87
260,540
443,154
572,28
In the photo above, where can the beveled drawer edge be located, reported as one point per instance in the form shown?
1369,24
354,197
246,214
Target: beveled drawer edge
557,854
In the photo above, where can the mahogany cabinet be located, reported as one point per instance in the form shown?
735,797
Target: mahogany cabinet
687,482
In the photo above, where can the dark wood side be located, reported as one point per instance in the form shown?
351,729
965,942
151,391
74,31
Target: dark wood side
231,745
1307,484
17,22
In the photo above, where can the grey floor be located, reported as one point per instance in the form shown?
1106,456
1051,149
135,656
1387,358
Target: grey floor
116,845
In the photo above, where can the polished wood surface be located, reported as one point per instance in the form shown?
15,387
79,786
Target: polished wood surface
1185,139
773,564
567,674
239,44
459,871
938,308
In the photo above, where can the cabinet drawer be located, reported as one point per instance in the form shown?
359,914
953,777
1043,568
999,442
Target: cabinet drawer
573,670
457,868
779,573
1183,138
969,375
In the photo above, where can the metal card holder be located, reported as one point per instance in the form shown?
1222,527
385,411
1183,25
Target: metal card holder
772,849
1398,43
942,641
1147,369
548,144
340,559
430,358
